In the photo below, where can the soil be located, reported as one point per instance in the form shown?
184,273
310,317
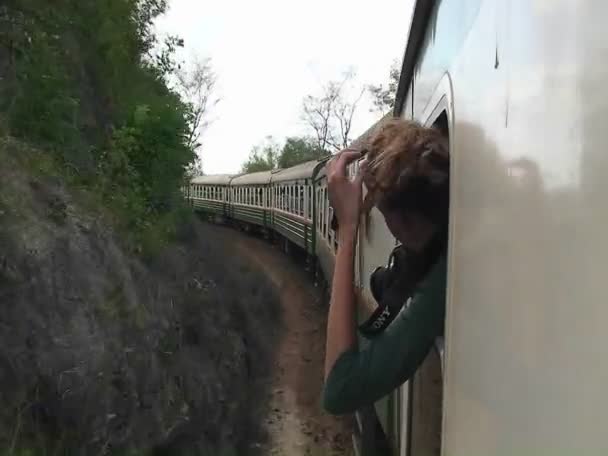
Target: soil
295,423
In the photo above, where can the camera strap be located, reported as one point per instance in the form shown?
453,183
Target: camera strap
394,285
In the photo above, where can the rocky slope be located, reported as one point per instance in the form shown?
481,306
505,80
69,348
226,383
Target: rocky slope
101,353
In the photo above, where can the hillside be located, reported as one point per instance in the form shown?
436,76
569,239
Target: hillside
102,351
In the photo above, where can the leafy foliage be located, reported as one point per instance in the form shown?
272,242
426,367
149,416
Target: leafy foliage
299,150
384,96
269,155
87,81
263,157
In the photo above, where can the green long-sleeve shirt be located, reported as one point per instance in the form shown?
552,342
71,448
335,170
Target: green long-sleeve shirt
362,375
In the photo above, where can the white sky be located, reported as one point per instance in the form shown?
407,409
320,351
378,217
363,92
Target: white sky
269,54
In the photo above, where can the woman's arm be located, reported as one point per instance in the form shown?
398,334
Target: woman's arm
341,334
345,198
362,376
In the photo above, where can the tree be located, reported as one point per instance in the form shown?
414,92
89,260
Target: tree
194,169
299,150
344,111
384,96
317,113
263,157
330,115
196,86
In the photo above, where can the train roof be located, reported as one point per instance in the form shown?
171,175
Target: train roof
213,179
259,178
305,170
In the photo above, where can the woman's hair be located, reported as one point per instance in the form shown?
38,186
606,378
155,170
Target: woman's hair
407,170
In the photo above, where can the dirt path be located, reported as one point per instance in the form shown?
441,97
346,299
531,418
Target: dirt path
295,422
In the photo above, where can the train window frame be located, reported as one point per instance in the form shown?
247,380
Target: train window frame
426,397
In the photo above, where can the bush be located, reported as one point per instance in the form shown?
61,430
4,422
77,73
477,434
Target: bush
83,83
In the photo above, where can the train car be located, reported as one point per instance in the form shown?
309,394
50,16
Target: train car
518,88
210,194
326,241
250,199
293,205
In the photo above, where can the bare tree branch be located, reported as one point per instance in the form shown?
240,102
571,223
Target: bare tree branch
197,88
331,114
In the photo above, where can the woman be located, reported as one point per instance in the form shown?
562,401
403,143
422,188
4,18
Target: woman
406,172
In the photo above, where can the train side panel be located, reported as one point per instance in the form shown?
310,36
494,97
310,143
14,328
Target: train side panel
525,327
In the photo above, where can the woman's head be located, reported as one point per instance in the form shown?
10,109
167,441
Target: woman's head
406,173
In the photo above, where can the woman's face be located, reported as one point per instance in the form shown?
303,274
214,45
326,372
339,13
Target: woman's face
412,230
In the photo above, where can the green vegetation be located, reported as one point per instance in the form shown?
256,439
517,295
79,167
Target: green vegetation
383,96
87,83
269,155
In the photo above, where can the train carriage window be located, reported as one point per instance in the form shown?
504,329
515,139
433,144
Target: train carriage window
296,199
310,201
325,213
300,200
318,196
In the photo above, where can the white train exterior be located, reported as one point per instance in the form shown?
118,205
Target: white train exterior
517,87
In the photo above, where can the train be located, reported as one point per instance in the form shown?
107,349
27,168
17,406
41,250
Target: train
517,88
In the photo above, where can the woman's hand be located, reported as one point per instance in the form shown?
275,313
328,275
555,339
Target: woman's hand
344,193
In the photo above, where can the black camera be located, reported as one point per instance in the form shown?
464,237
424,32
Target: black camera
392,286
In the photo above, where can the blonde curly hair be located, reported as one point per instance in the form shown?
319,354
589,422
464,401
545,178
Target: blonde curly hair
407,168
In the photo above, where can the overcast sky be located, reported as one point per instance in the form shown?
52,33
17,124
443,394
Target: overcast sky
269,54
